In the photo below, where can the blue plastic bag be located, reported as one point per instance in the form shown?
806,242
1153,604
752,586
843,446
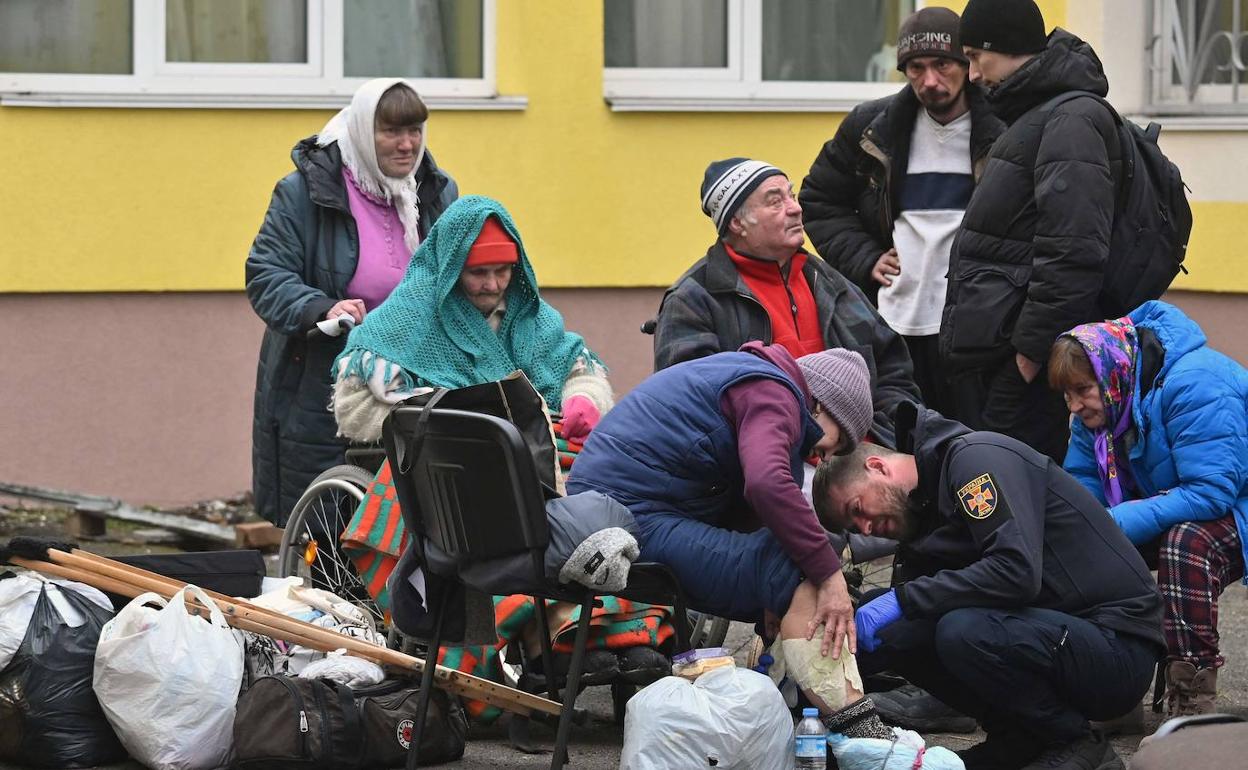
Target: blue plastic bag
906,752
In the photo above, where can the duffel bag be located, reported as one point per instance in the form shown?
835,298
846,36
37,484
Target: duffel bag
288,723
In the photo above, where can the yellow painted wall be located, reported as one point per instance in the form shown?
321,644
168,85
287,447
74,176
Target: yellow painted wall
155,200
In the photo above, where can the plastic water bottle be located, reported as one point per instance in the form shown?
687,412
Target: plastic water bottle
811,746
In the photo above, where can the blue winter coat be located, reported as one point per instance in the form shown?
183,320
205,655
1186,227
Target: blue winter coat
668,448
1190,457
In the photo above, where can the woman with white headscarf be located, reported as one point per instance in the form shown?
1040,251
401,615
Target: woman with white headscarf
337,238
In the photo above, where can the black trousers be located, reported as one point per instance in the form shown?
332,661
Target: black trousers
929,375
1000,400
1029,672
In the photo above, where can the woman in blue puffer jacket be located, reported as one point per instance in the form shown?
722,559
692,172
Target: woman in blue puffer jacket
1162,440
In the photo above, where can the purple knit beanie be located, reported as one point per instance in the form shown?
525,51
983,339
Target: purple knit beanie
840,381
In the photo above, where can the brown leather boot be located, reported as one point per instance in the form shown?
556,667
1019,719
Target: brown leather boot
1190,690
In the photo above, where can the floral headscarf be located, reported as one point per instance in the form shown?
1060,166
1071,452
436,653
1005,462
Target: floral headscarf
1112,348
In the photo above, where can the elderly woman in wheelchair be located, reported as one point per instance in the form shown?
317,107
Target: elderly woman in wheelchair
469,311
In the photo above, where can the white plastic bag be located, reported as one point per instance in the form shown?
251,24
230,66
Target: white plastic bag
266,657
356,673
729,718
169,681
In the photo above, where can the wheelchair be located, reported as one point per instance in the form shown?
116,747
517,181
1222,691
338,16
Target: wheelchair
309,547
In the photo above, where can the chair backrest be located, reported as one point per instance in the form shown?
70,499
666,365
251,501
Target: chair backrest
466,482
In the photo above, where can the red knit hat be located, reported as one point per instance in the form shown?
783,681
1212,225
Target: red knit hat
493,246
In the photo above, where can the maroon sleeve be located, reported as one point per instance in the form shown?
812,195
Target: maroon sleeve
768,421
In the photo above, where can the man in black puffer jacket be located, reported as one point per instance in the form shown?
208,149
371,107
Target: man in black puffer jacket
886,194
1029,259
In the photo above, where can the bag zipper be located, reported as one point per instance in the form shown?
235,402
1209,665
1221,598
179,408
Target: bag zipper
303,714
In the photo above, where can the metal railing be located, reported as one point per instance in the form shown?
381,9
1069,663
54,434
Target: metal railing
1198,56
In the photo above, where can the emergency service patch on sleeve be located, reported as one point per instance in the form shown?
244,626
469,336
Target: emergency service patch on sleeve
979,497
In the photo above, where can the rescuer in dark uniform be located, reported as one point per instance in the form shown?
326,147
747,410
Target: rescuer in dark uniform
1023,603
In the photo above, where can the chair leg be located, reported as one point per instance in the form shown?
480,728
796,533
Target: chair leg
426,688
681,612
548,655
571,687
620,694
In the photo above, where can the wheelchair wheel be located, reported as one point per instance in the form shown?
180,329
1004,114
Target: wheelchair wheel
706,630
310,542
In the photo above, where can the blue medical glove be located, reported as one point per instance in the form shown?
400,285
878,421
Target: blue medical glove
874,616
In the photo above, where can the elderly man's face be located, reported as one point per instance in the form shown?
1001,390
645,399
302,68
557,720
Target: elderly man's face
770,221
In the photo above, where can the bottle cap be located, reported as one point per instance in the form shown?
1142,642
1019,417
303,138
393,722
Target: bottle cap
810,712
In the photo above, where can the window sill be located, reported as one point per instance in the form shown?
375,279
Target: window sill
238,101
1195,122
727,104
737,96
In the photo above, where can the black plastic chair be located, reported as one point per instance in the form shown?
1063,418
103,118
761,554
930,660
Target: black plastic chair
466,483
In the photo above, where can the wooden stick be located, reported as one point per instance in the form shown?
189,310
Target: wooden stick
126,580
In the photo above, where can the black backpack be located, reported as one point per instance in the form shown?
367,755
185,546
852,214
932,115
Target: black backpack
1152,219
287,723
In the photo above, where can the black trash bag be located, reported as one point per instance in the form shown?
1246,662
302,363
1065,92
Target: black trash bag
49,715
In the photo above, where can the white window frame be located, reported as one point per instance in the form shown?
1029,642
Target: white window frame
317,84
737,87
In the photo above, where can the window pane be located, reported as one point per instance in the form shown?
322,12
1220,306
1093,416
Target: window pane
666,33
236,31
1213,35
840,40
412,38
75,36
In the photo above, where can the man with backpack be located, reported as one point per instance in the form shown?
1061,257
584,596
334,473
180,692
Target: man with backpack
1040,247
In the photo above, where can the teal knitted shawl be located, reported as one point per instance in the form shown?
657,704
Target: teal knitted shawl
429,329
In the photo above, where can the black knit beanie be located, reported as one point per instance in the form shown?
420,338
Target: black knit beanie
1003,26
929,32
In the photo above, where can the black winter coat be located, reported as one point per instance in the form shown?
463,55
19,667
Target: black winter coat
851,197
300,264
1029,260
710,309
1002,525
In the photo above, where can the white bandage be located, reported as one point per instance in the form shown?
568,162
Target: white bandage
826,677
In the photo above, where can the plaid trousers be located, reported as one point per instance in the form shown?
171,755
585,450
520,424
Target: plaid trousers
1195,562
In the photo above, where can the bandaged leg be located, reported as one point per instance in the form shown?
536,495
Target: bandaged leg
832,685
829,683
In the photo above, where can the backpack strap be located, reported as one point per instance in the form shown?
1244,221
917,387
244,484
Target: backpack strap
1052,104
1120,126
352,722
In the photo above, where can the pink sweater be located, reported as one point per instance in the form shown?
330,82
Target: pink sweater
383,256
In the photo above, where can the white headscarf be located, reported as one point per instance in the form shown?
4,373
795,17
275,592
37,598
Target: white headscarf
352,129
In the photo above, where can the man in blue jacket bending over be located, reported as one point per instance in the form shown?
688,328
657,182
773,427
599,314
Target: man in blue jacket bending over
708,454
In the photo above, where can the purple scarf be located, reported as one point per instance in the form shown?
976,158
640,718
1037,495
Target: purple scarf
1112,348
